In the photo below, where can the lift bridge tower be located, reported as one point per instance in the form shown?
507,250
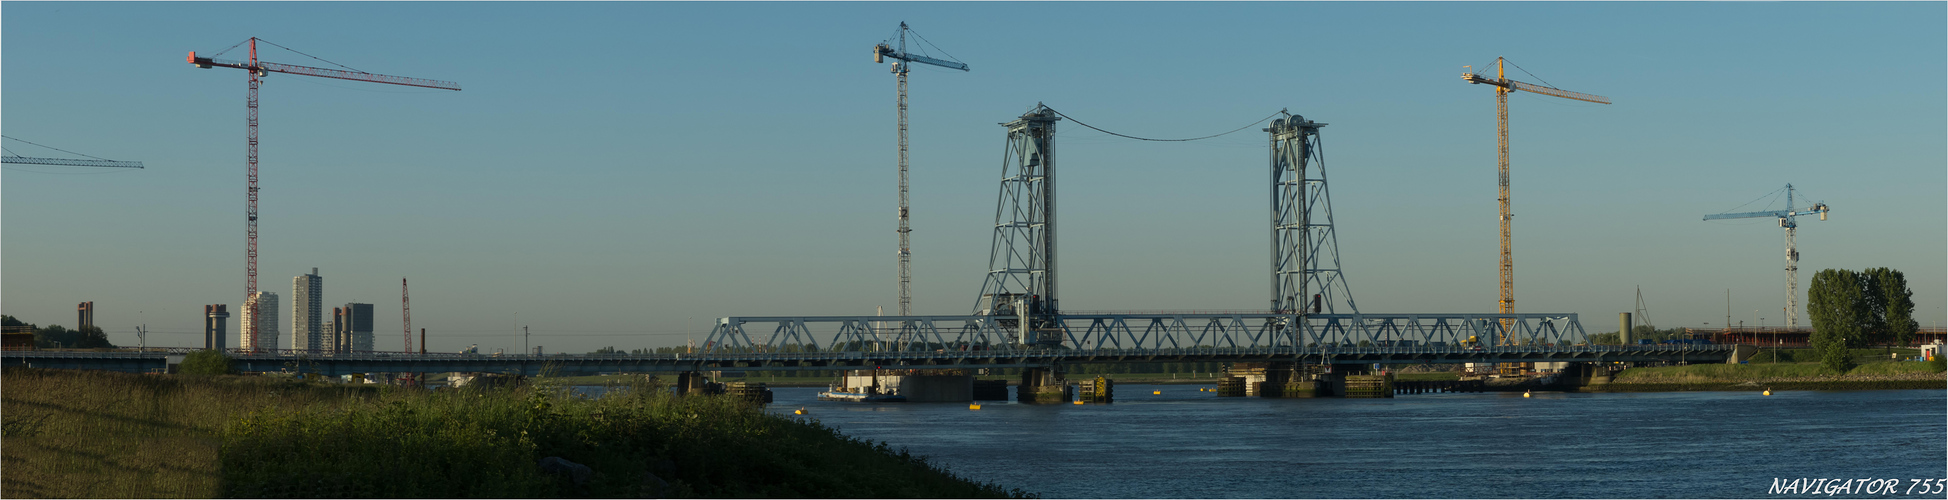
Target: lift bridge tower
1020,287
1305,251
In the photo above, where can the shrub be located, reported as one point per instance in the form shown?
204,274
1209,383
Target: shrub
1939,364
206,362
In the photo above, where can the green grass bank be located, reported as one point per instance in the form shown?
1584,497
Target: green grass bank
102,434
1776,376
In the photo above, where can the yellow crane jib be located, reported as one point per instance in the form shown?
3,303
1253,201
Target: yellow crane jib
1503,86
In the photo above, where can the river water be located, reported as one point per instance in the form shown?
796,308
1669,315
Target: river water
1189,444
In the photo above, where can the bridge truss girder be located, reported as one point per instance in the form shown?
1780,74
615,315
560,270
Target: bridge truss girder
1302,333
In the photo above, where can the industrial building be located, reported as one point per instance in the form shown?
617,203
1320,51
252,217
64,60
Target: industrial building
215,328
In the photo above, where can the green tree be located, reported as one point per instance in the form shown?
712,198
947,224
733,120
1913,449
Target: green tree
1893,305
206,362
1839,307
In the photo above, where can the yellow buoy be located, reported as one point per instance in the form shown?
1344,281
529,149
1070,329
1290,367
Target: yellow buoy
1525,394
1156,392
800,411
975,406
1768,392
1078,401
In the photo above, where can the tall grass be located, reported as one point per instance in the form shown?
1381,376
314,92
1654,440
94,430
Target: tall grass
480,443
117,435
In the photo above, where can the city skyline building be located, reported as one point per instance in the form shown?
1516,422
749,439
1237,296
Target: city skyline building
84,315
350,328
266,321
215,329
357,325
308,311
332,337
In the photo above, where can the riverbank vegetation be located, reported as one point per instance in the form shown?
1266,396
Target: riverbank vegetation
1858,309
99,434
85,434
1808,375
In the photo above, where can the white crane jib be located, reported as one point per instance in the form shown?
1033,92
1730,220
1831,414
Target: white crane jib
881,52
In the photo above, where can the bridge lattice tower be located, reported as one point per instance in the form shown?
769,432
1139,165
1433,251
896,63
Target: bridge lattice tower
1021,263
1306,277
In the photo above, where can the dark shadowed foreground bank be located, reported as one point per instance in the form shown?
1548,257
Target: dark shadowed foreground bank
92,434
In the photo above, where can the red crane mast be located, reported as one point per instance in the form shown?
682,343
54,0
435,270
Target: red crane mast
258,70
406,313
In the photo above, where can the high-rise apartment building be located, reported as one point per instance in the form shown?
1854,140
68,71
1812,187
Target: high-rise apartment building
357,325
266,321
333,338
84,315
308,312
215,332
350,328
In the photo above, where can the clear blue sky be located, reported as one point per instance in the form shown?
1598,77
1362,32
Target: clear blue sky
622,173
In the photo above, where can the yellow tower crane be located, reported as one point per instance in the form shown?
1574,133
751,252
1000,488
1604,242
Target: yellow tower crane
1503,86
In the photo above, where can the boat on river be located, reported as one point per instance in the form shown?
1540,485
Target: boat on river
862,388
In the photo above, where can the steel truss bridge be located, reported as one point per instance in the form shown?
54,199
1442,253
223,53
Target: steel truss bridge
1143,331
1018,311
968,359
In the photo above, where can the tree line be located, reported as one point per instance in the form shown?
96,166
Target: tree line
1639,332
1856,309
56,336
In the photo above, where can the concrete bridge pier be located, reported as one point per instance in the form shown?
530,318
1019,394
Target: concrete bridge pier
1303,383
692,382
1277,380
1043,385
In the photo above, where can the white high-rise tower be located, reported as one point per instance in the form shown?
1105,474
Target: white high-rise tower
266,339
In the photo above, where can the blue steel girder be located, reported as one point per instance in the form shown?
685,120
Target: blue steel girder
1302,332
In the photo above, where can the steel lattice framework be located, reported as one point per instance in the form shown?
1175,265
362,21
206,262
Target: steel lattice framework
1313,332
1306,276
1020,291
1017,315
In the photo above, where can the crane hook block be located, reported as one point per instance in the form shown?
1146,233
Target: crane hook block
878,57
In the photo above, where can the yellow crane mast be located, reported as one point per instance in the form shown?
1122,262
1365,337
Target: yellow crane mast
1503,86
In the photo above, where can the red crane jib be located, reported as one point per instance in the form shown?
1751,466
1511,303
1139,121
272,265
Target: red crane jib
267,67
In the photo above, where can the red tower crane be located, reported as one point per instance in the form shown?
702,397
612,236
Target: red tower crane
257,71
